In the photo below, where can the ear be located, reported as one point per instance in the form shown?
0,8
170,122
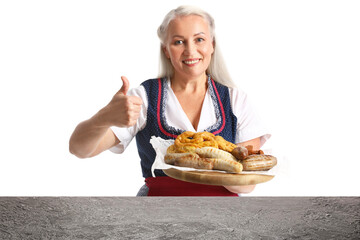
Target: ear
213,45
166,51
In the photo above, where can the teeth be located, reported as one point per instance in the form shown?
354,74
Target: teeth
192,62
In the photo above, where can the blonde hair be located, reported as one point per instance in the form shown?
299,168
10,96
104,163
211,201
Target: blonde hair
217,68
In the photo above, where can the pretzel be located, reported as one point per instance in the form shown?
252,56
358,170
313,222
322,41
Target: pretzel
225,145
182,149
187,138
189,141
208,140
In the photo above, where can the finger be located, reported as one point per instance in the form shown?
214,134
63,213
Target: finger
136,108
136,116
136,100
132,120
131,108
125,87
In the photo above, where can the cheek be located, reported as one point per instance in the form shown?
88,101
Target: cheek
210,49
174,53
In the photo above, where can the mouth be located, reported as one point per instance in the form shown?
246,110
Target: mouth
191,62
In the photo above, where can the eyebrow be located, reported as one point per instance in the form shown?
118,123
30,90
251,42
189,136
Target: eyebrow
196,34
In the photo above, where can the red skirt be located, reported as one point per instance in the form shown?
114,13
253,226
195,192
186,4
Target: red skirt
167,186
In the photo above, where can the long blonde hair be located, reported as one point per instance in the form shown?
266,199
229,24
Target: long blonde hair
217,68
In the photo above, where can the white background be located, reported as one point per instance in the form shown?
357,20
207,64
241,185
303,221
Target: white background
61,61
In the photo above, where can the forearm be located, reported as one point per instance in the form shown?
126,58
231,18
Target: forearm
93,136
87,137
254,142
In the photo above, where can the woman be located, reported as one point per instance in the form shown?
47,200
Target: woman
192,93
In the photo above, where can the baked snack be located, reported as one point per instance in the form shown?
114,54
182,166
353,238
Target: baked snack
202,150
219,161
188,141
210,152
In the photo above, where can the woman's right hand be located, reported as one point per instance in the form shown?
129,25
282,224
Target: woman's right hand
94,135
122,110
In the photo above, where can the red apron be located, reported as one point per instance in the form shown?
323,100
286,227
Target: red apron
167,186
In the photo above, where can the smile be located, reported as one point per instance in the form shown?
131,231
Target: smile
191,61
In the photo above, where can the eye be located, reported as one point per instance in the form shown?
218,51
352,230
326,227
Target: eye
200,39
178,42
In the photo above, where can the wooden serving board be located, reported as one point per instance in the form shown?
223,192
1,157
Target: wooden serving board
217,178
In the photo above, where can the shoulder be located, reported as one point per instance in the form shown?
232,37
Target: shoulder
137,91
240,102
144,87
237,94
152,87
218,84
233,91
151,82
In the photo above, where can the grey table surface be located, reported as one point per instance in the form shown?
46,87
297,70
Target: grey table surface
179,218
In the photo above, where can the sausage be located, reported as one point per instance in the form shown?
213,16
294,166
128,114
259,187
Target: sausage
240,153
251,150
259,162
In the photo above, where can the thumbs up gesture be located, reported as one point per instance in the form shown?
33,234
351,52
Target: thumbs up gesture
122,110
125,86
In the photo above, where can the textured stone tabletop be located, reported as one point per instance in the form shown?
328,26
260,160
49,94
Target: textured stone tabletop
179,218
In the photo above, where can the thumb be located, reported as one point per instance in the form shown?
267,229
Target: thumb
125,86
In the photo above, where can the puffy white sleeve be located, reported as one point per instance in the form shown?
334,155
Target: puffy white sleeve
249,124
125,135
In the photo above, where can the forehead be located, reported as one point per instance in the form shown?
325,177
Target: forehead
188,25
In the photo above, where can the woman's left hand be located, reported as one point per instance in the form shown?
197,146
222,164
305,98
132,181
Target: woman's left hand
241,189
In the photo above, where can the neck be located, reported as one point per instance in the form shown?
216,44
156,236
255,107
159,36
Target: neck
179,83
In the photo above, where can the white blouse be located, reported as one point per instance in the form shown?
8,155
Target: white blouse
249,125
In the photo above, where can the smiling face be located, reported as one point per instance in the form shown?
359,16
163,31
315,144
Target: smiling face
189,46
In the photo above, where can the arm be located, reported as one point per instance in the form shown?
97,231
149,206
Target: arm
94,135
89,139
245,188
254,142
247,119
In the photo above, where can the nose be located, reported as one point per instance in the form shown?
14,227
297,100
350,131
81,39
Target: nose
190,48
